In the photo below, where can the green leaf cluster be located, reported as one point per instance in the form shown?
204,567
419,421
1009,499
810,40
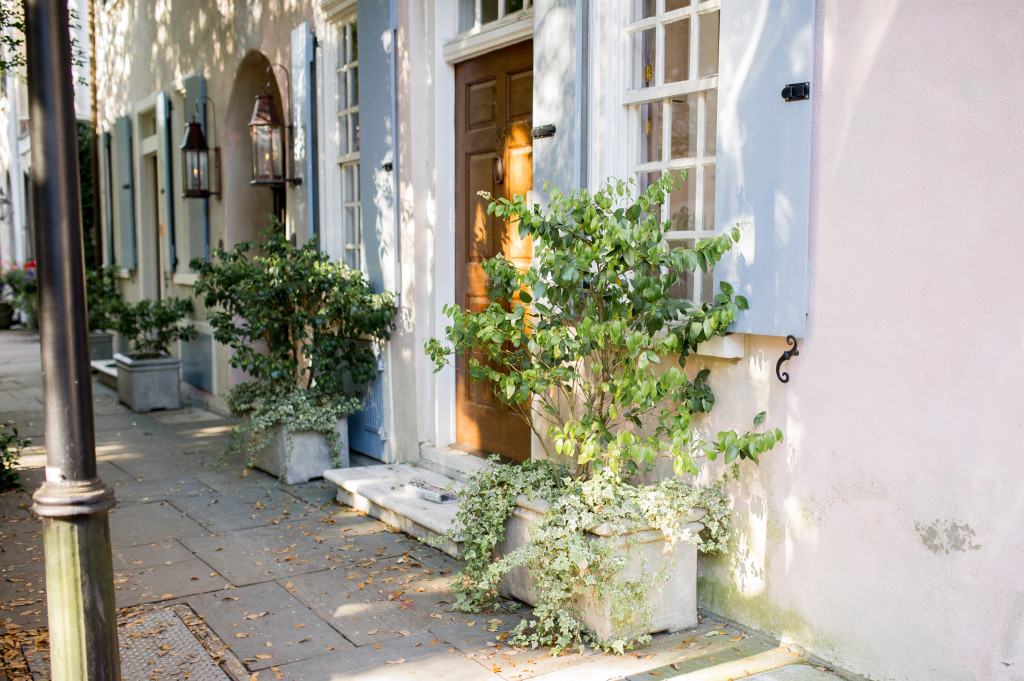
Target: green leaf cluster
10,450
150,326
102,298
301,326
579,339
563,560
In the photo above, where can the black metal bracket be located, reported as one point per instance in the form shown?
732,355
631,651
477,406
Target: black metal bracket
543,131
794,92
787,355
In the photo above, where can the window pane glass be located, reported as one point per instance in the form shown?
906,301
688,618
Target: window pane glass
642,9
354,83
488,10
348,187
707,281
677,51
684,126
342,134
650,132
342,44
513,6
355,131
709,197
355,42
683,288
465,15
672,5
707,62
643,59
342,91
711,119
683,202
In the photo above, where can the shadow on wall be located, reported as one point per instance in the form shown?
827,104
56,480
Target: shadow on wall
246,206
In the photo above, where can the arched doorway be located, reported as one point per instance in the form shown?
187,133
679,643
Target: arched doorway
246,206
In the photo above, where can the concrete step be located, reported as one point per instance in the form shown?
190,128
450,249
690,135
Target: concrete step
379,491
106,370
452,463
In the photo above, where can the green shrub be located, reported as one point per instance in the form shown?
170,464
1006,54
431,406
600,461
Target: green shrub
103,301
580,349
10,450
151,326
302,326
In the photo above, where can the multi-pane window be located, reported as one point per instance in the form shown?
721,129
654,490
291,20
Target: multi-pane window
673,103
347,119
475,13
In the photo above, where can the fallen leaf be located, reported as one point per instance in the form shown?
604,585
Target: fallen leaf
398,661
372,632
241,635
264,656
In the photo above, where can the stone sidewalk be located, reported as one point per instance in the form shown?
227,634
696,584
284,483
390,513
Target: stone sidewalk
224,573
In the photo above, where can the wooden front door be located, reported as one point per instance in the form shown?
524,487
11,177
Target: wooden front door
493,153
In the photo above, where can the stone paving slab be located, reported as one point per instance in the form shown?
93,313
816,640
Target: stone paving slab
382,601
795,672
158,553
21,539
262,554
135,524
159,489
165,582
23,595
251,617
234,478
256,507
418,657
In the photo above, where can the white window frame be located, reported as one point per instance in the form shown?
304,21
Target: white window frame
663,93
338,203
477,6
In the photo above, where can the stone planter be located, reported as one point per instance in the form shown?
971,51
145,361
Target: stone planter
302,455
672,605
6,315
101,345
149,384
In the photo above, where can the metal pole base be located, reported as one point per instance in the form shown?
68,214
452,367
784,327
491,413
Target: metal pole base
83,620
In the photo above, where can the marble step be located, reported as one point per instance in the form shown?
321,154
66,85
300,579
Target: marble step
380,492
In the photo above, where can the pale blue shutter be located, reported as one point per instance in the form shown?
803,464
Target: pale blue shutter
304,207
764,159
558,95
125,193
377,170
197,210
108,166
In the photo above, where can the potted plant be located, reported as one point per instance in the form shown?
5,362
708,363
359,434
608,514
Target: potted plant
6,309
301,327
25,290
577,345
102,302
148,377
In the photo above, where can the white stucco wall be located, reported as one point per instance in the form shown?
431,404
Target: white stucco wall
887,534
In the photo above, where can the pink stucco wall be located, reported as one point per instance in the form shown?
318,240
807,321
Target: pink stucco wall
887,535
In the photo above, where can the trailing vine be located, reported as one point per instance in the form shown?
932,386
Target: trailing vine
563,560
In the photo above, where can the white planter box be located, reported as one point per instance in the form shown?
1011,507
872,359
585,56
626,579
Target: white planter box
149,384
305,457
672,604
100,345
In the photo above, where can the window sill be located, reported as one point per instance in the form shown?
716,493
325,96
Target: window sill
508,30
723,347
185,278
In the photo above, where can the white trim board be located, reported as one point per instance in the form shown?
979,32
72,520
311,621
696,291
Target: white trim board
515,28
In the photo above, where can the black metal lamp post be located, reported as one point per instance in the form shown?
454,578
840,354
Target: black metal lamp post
196,165
73,501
